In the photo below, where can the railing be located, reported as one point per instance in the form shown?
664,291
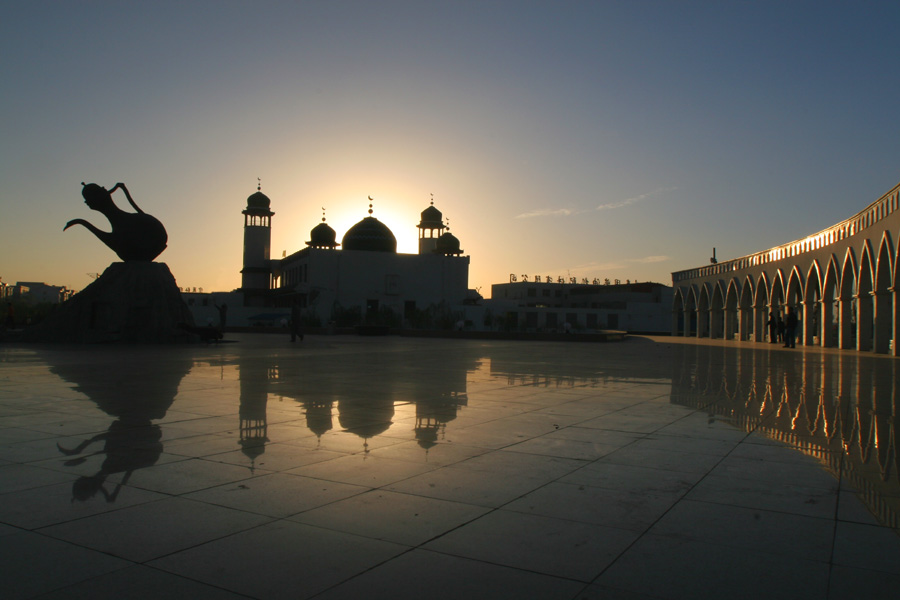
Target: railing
867,217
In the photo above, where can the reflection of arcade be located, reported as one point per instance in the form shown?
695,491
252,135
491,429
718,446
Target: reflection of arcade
841,409
134,391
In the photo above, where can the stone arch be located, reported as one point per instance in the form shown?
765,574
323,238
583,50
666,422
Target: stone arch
830,304
745,311
678,312
732,296
812,302
865,307
761,307
717,311
883,318
777,295
692,311
846,302
793,300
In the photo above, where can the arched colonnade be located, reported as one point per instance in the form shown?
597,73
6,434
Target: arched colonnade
843,283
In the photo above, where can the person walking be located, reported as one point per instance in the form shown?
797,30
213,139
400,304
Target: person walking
790,328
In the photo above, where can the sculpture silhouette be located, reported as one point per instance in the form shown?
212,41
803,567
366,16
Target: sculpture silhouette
134,236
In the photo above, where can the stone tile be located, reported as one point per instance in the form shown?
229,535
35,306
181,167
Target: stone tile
277,494
850,582
677,569
141,533
482,488
423,574
59,503
363,469
34,564
280,560
761,494
634,511
751,529
140,583
394,517
867,547
559,547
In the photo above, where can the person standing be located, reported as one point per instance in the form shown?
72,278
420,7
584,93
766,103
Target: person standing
296,321
223,313
773,328
790,328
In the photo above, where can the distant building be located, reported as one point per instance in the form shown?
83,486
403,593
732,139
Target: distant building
35,292
558,306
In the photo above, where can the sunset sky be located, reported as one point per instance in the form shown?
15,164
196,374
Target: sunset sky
607,139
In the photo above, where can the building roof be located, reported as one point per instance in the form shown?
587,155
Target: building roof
371,235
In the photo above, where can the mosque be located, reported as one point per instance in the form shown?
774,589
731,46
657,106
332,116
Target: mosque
361,279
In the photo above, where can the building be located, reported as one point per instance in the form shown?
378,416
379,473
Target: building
361,279
566,305
35,292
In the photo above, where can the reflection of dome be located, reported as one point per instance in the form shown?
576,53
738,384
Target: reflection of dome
370,234
431,219
447,244
322,236
258,200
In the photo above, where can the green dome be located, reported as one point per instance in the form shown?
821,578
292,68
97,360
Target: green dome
371,235
258,200
322,236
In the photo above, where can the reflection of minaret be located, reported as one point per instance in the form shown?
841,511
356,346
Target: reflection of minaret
433,414
318,416
252,412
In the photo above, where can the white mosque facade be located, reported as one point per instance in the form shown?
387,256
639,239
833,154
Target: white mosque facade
361,279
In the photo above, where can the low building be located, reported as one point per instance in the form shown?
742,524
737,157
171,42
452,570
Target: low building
572,306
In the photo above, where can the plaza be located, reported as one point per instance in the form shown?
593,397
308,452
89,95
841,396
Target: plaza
391,467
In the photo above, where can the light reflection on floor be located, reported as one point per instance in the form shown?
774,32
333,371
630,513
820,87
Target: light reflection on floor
349,467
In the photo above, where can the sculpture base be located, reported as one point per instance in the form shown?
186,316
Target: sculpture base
129,302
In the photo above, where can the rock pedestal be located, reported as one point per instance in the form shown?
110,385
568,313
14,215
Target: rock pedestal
130,302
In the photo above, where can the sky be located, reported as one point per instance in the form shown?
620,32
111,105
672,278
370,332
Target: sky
590,139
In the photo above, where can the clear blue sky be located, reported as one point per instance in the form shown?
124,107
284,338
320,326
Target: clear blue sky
601,139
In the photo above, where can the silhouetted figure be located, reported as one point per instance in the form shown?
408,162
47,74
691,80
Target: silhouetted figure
134,236
780,329
223,313
296,322
773,328
790,328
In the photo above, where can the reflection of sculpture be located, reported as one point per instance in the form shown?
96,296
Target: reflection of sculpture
138,390
134,236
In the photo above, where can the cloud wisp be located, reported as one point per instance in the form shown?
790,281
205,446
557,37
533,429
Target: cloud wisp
568,212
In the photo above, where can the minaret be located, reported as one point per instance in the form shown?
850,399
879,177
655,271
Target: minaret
430,228
256,273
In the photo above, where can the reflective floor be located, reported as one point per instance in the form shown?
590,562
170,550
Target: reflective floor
354,467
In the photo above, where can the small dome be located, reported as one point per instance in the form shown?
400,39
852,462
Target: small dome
431,219
370,234
447,244
322,236
258,200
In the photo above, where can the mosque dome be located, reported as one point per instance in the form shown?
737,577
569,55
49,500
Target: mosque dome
258,200
447,244
431,219
322,236
370,234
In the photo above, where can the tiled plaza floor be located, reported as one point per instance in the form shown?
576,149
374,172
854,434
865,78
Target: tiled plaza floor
355,467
